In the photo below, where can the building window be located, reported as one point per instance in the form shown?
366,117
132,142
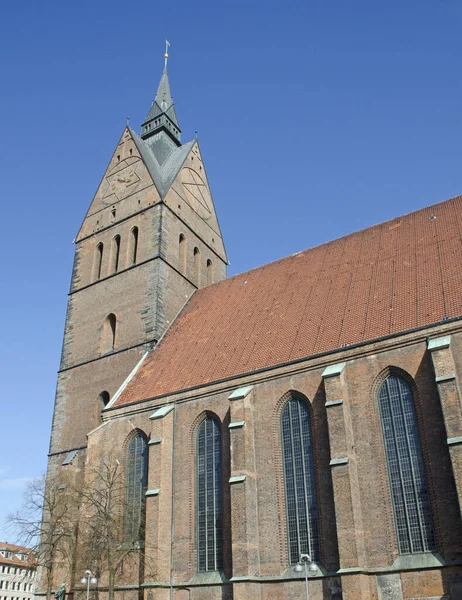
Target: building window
182,254
103,401
115,254
133,246
209,271
299,480
209,497
98,262
406,471
197,266
108,338
135,488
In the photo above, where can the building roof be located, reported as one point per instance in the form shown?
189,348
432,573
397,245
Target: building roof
161,118
15,561
389,278
163,102
164,162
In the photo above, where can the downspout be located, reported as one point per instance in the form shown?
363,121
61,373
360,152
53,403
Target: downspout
172,530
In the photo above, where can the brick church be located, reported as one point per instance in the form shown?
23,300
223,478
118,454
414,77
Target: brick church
298,424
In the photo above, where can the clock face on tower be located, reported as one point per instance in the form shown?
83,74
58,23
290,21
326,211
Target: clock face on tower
196,192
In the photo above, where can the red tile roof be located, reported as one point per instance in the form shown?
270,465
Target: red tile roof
16,550
389,278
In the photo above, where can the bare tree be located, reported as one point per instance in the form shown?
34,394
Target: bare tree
111,530
46,523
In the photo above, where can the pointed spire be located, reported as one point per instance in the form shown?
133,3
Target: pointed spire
162,115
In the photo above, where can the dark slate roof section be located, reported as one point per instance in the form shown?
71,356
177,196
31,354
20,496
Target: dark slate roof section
163,102
163,172
390,278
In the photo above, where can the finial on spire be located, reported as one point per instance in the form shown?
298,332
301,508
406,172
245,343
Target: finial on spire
167,44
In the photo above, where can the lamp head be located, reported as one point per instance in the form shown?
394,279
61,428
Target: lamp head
313,567
298,568
305,558
83,580
93,580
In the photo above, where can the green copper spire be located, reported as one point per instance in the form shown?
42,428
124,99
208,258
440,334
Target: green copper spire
162,116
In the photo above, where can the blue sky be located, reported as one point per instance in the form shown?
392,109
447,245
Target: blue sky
315,119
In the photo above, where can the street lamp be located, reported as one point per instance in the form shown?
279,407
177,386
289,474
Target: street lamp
306,563
89,578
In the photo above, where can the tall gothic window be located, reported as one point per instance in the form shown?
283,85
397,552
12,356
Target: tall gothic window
197,265
115,254
209,497
98,261
182,254
133,246
209,271
136,483
408,482
299,480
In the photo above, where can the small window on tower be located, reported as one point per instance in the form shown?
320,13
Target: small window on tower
108,337
98,261
182,254
197,266
209,271
133,246
115,253
103,401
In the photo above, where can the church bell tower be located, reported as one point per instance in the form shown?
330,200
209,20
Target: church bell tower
150,238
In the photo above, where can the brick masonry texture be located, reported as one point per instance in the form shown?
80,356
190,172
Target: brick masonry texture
255,534
145,297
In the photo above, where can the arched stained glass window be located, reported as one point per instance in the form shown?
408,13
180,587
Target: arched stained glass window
135,488
408,482
299,480
209,497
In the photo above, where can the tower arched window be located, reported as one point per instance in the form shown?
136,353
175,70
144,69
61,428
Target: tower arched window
103,401
115,253
98,261
209,496
182,254
197,265
299,480
209,271
406,470
133,246
108,338
136,482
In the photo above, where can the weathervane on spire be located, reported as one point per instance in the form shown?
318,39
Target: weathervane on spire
167,44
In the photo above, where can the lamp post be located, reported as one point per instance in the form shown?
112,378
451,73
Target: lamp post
306,563
89,578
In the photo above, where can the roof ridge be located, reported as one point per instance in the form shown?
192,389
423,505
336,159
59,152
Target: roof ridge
288,256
